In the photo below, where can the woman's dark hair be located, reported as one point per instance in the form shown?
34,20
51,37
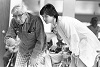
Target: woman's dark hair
50,10
94,20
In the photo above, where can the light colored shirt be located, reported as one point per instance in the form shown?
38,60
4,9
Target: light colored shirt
94,30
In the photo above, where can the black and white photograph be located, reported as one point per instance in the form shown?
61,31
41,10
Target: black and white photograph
50,33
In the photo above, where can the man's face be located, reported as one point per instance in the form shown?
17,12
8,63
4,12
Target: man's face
18,18
18,15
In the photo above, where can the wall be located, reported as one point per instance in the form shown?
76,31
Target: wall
69,8
86,9
32,5
4,22
85,17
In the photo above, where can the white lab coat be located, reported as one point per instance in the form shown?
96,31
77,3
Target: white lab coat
80,39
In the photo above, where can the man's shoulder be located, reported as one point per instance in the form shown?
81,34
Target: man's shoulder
33,15
35,18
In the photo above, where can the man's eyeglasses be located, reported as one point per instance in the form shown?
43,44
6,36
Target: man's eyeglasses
20,15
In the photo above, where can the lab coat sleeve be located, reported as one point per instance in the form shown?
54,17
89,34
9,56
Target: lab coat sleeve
71,35
74,40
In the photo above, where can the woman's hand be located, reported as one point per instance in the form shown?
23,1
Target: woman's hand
76,56
35,61
53,47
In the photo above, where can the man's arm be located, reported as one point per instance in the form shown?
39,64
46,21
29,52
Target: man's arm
9,39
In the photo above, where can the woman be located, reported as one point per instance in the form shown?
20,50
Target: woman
82,42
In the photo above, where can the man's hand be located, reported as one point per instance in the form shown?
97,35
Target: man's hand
10,42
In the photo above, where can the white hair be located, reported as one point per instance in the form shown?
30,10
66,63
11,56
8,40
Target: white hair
20,8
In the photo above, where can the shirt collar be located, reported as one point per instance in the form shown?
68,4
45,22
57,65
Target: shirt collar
28,18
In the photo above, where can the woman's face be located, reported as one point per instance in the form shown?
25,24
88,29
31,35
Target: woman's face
48,19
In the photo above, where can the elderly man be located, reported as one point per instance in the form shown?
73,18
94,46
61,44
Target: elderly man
30,30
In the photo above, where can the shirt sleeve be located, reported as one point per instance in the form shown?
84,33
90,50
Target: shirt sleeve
11,32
